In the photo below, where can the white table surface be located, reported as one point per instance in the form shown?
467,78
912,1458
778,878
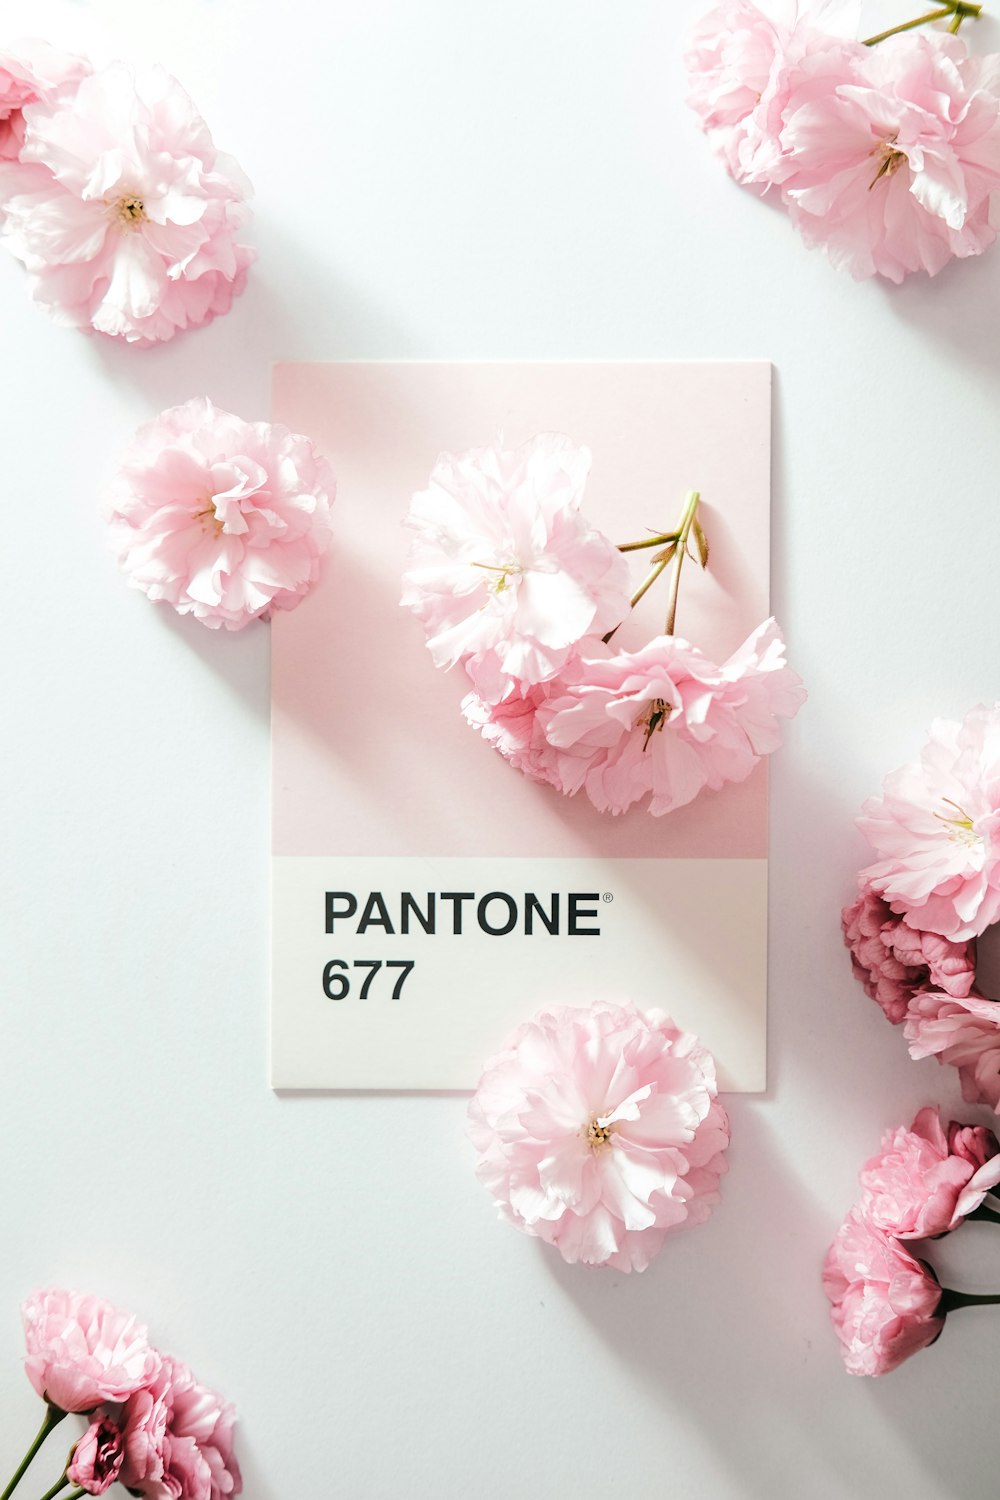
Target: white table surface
468,178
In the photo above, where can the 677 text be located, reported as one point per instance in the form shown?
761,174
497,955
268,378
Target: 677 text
337,977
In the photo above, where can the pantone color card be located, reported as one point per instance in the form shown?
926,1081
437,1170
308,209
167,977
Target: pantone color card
427,898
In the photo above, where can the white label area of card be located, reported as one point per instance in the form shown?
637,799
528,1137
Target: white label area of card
408,973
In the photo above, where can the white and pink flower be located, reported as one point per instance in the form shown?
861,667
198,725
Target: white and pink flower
31,71
936,829
505,573
82,1352
600,1131
667,722
223,519
124,214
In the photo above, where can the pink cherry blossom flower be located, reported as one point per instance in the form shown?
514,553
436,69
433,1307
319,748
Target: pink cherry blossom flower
916,1187
884,1302
29,71
667,722
890,158
512,728
893,961
505,573
220,518
600,1131
936,828
743,65
123,212
82,1352
143,1420
964,1033
179,1440
96,1461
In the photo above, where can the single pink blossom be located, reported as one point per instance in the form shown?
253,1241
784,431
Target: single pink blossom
123,212
220,518
964,1033
889,158
743,65
82,1352
505,573
178,1438
667,722
96,1461
916,1187
600,1131
884,1302
936,828
893,961
29,71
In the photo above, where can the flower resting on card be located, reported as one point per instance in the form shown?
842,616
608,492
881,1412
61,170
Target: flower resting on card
662,723
123,213
894,961
599,1130
505,574
223,519
31,71
936,830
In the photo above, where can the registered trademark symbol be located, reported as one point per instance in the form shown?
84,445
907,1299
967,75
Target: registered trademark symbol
607,896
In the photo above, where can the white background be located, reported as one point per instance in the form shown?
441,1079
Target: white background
468,178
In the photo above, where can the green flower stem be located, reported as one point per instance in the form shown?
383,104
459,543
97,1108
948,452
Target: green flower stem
60,1484
959,10
683,532
53,1416
951,1300
661,540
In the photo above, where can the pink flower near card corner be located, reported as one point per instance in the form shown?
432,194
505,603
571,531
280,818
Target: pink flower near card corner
30,71
124,214
82,1352
893,961
884,1302
600,1131
220,518
918,1186
667,722
963,1033
97,1459
936,829
891,168
505,573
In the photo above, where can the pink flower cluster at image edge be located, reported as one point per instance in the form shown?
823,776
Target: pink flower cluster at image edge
115,199
153,1426
512,583
886,156
933,890
923,1182
599,1130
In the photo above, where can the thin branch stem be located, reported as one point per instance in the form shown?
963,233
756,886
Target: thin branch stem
53,1416
959,10
663,539
684,531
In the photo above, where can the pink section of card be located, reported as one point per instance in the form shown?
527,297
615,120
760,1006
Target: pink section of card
371,753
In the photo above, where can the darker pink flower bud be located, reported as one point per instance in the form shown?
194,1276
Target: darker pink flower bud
893,961
97,1458
974,1143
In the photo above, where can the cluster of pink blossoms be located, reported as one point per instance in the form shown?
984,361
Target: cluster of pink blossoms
114,197
887,1304
886,154
151,1425
933,890
600,1131
513,584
